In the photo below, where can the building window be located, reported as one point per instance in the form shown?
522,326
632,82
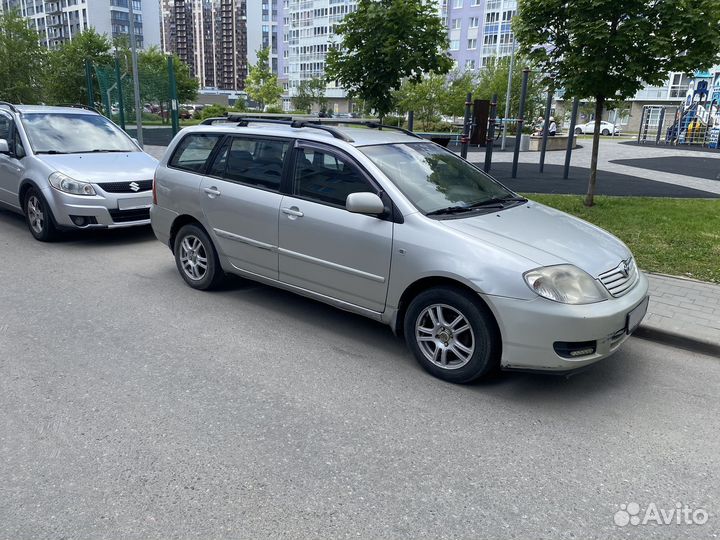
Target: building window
457,3
454,44
475,2
469,64
474,22
472,44
456,24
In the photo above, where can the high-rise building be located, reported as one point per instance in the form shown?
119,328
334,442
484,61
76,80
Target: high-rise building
308,30
218,39
479,30
58,21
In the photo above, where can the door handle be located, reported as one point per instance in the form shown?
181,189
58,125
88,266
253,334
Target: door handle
212,192
292,211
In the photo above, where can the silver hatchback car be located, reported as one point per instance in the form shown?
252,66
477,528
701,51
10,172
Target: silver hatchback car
71,168
385,224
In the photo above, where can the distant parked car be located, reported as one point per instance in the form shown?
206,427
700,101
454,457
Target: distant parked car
606,128
71,168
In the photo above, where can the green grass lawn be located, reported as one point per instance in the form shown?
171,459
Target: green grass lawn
672,236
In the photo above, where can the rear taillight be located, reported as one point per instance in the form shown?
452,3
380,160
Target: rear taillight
154,191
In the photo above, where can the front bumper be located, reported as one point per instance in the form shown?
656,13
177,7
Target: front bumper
102,211
530,328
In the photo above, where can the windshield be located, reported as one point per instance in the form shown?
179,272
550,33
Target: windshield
68,133
433,178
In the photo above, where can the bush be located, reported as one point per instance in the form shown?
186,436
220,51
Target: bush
274,109
212,111
240,106
396,121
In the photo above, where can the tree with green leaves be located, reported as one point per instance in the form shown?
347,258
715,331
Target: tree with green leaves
21,60
385,42
154,79
262,84
65,74
424,98
608,50
310,92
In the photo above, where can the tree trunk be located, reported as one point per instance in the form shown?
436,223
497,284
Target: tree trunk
599,106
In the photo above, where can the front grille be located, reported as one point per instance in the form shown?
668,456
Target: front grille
123,216
125,187
621,279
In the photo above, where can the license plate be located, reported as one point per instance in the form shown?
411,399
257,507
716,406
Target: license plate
133,203
635,317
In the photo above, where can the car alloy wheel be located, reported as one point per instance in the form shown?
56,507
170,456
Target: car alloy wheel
445,336
35,214
193,258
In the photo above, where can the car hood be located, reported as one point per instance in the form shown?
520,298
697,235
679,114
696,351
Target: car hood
104,167
546,236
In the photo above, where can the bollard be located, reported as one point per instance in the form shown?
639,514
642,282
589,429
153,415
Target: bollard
571,138
543,149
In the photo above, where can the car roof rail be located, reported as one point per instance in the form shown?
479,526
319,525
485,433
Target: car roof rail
10,106
366,123
243,121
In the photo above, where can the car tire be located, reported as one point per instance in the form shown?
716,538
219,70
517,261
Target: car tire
452,336
196,258
38,216
606,132
578,131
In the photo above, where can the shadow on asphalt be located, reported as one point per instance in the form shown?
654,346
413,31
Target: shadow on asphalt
90,237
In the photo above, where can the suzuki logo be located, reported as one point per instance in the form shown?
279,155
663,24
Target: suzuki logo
134,186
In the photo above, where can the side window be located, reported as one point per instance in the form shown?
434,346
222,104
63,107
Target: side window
11,135
193,151
326,178
256,161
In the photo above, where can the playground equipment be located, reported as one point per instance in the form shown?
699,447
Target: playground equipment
695,122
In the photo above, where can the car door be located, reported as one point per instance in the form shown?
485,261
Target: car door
323,247
12,166
241,199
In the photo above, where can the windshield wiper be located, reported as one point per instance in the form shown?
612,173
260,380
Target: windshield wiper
51,152
97,150
492,202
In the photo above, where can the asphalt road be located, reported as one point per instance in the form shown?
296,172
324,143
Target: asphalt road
134,407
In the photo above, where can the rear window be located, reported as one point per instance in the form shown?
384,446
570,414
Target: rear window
193,151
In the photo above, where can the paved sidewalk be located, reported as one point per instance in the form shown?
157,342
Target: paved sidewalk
683,310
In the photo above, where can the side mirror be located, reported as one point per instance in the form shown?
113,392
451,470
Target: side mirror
364,203
4,148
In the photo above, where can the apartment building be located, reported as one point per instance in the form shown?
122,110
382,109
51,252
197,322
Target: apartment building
479,30
308,30
219,39
57,21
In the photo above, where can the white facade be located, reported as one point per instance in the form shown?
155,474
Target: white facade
262,30
58,21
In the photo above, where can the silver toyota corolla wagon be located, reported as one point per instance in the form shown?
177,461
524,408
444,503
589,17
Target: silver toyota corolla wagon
385,224
71,168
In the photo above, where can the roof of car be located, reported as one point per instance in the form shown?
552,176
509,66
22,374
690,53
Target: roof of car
360,135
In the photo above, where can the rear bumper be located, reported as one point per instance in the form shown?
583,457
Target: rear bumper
100,211
162,220
530,328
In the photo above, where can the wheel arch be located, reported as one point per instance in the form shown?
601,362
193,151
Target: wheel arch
178,223
425,283
25,185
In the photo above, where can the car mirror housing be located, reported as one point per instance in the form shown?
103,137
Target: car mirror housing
4,147
364,203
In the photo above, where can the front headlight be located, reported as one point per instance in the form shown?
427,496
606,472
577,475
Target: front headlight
64,183
565,283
